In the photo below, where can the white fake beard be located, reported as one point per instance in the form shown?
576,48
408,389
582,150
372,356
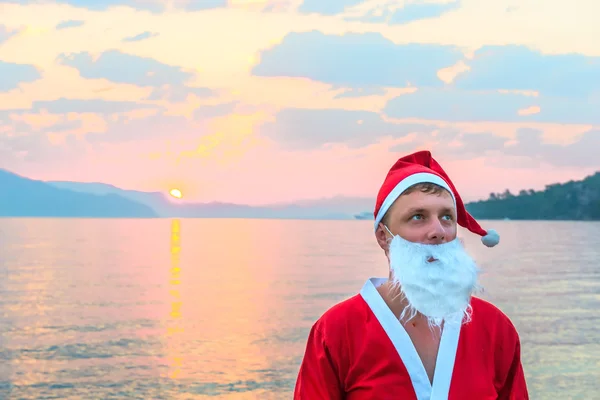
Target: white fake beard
440,290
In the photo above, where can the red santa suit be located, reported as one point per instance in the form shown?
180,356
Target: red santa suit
359,350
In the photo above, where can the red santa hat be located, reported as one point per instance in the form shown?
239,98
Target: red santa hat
420,167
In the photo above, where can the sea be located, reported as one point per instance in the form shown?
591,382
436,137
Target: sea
221,308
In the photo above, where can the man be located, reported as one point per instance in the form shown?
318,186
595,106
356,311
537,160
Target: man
420,333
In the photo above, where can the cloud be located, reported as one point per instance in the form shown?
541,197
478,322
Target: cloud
90,125
179,93
65,126
141,36
329,7
390,13
461,105
69,24
455,143
11,75
26,143
527,150
520,68
155,6
454,105
375,16
307,129
6,34
277,6
356,59
361,92
466,145
63,105
213,111
416,11
4,116
195,5
582,153
123,130
98,121
120,122
529,110
125,68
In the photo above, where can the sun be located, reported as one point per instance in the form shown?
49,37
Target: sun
176,193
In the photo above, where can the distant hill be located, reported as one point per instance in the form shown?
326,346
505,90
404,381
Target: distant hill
327,208
155,200
574,200
23,197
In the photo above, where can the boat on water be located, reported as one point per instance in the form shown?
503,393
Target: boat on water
364,215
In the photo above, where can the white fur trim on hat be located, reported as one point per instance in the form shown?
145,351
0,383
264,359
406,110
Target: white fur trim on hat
421,177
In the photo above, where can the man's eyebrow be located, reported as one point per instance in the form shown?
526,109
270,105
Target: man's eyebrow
415,210
420,210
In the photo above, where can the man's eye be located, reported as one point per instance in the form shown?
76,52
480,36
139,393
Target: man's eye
417,216
448,217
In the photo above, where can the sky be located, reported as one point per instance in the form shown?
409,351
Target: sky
266,101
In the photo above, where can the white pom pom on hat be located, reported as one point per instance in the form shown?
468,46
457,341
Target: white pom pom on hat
491,238
421,167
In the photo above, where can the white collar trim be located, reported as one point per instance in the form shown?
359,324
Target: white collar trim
406,350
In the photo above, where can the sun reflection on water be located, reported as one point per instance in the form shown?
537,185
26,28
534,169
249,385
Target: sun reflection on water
175,328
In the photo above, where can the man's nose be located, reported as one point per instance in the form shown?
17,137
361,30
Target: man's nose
437,233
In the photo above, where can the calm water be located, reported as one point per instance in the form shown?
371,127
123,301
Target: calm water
196,308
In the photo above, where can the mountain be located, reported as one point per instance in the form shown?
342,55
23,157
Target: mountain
161,205
23,197
573,200
327,208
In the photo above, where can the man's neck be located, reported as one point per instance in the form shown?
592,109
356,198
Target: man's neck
396,302
425,339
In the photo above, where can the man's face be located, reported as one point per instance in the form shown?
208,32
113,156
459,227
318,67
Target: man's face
432,269
421,218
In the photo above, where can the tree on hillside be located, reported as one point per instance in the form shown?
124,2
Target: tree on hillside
573,200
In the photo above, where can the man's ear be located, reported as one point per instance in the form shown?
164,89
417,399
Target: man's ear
382,237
